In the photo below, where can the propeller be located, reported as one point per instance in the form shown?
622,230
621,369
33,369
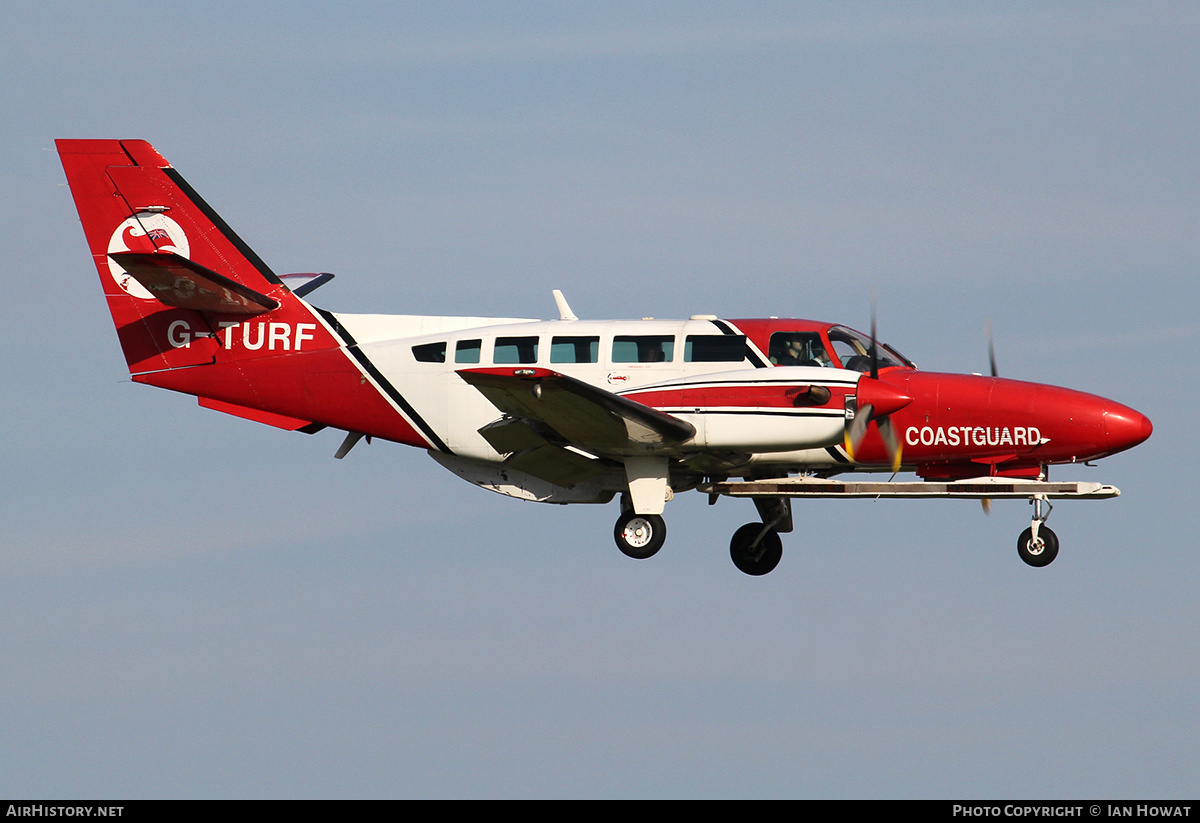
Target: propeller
987,330
875,400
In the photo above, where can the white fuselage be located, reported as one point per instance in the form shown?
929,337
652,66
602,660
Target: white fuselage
421,355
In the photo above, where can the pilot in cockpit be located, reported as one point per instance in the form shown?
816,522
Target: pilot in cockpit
817,355
798,349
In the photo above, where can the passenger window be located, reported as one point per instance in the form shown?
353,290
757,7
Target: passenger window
797,348
430,352
574,349
515,350
657,348
714,348
467,351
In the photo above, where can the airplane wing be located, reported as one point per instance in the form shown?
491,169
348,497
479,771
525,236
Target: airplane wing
555,407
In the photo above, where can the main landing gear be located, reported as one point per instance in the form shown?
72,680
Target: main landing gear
1038,545
640,535
755,549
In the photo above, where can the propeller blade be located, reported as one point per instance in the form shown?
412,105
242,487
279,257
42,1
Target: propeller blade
987,505
856,429
891,442
987,327
874,346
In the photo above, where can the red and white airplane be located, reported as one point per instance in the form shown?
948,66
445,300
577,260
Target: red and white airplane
570,410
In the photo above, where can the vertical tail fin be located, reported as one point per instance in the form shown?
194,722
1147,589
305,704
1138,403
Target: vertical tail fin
170,268
198,312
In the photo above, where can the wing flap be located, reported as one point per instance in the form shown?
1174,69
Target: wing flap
556,465
530,452
510,434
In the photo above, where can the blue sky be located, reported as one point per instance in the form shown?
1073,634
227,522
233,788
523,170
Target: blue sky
196,606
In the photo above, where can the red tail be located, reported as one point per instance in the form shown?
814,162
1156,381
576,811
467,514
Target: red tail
197,311
175,276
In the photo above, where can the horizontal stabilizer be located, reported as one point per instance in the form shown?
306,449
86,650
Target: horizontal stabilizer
302,283
176,281
259,416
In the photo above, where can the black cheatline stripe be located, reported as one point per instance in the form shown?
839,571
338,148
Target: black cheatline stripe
750,355
222,226
369,367
836,455
748,383
724,410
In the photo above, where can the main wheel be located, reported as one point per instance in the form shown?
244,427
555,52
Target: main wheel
640,535
1040,552
763,558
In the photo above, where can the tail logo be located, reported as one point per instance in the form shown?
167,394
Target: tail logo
145,231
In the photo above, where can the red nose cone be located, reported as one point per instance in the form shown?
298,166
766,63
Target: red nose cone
1124,428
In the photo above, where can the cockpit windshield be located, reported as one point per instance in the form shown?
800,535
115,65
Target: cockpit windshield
854,350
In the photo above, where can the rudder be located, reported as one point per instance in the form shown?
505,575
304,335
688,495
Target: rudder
167,262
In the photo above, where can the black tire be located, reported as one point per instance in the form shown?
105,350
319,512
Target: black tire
764,557
1038,556
640,535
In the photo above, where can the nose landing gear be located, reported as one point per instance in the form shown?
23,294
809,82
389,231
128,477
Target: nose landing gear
1038,545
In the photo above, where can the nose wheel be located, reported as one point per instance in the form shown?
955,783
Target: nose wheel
1038,551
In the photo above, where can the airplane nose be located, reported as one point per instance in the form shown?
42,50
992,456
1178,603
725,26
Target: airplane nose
1124,428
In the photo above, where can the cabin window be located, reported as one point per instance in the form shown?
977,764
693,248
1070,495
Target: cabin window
515,350
467,351
574,349
714,348
797,348
430,352
646,348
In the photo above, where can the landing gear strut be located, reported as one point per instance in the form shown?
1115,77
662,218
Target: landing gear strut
1038,545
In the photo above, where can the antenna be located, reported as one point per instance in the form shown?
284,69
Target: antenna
564,311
